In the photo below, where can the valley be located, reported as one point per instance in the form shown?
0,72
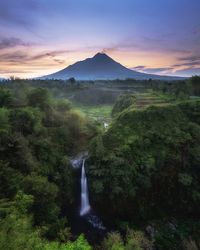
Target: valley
132,186
99,125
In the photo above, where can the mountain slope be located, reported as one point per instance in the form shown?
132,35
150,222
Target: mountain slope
101,67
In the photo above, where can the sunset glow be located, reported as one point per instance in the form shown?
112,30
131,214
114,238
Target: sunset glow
41,37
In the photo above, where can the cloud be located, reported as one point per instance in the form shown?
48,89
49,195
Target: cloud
188,61
173,70
188,71
110,49
12,42
188,64
190,58
59,61
7,71
153,70
24,57
50,54
16,56
158,70
140,67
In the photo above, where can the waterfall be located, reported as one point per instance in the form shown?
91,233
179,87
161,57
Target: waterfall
85,205
85,209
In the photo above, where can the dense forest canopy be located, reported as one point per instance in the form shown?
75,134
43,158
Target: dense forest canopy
143,171
152,158
38,134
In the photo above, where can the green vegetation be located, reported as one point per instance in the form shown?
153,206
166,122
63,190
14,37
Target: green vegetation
16,229
100,113
195,85
143,171
152,157
179,89
135,240
37,137
123,102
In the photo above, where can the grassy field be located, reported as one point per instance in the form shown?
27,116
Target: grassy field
100,113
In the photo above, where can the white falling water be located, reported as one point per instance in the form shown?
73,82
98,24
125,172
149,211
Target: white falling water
85,205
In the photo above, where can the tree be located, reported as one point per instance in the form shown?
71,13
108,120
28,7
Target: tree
152,158
44,207
80,244
5,97
72,80
113,242
26,120
195,82
4,119
39,97
122,103
63,105
16,230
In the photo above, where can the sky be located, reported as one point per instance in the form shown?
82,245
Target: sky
38,37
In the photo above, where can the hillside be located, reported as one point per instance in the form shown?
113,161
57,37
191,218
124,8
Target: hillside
152,158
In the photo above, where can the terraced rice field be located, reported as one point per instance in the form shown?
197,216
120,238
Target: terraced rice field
144,100
102,113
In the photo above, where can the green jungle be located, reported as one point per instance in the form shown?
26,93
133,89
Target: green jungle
142,139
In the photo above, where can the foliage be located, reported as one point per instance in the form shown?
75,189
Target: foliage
145,166
195,83
5,97
39,97
79,244
135,240
16,230
37,137
113,242
152,158
26,120
100,114
122,103
183,234
180,90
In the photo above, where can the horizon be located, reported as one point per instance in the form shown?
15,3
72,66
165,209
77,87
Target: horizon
40,38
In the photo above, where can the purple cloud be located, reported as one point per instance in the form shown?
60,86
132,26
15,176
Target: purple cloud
12,42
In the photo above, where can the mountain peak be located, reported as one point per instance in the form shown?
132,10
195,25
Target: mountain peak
101,55
100,67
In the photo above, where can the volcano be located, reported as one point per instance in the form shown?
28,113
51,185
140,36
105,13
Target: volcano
102,67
